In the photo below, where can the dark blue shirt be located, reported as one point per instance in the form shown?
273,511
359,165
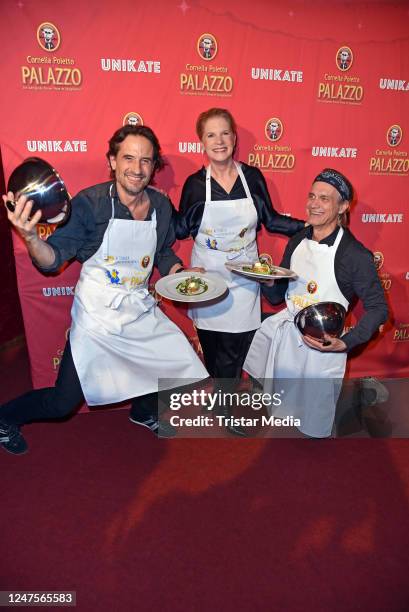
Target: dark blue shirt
91,211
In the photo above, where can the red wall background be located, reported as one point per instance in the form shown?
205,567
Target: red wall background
273,60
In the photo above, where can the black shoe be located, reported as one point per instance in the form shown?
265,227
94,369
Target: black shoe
237,430
11,439
162,429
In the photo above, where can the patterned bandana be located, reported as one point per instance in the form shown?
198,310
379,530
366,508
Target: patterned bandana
337,180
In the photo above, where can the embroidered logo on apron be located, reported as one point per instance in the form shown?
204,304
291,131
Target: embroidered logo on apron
312,286
211,244
113,277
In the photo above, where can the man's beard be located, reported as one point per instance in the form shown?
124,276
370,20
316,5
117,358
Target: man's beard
137,189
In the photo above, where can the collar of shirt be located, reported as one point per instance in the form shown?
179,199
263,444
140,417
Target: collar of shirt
117,202
329,240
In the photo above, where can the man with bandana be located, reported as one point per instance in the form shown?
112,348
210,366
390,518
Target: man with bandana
331,265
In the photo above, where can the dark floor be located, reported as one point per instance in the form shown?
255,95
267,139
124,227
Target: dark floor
130,522
389,419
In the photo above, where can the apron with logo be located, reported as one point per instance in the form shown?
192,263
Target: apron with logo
278,353
227,233
121,342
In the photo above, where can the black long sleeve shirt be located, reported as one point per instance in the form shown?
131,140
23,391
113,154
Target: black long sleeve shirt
91,211
187,220
356,276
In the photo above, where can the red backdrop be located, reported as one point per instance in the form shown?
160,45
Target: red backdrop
334,77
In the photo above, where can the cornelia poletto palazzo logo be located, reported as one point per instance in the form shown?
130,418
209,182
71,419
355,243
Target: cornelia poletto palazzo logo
267,154
392,159
47,70
341,87
205,78
132,118
384,277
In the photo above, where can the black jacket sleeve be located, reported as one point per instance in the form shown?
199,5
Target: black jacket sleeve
276,293
267,215
69,239
356,277
367,287
187,220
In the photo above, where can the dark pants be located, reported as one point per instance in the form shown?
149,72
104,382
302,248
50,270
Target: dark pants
61,400
224,352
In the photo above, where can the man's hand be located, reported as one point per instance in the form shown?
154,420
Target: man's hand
39,250
330,345
20,217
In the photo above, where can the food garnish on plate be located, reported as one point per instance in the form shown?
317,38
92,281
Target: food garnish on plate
193,285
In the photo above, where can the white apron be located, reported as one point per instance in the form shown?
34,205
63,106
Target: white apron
228,233
121,342
278,352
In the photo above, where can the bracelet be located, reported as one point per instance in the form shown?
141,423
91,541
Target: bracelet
179,270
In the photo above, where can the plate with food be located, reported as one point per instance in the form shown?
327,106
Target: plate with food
262,269
191,286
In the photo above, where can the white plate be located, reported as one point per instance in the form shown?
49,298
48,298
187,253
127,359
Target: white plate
278,272
166,287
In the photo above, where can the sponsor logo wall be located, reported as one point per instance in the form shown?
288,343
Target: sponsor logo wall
307,91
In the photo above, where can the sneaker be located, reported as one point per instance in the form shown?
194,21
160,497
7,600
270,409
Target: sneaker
11,439
162,429
373,391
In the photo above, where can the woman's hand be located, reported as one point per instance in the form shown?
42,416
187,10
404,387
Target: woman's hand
180,269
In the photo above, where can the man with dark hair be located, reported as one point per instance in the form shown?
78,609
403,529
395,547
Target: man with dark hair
331,265
120,342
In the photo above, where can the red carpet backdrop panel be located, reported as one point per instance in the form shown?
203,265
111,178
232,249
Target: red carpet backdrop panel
311,84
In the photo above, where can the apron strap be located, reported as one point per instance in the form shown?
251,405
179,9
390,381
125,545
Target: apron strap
106,244
112,201
338,238
208,185
242,178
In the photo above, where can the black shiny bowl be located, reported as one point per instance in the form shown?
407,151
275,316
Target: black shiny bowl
40,182
322,318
